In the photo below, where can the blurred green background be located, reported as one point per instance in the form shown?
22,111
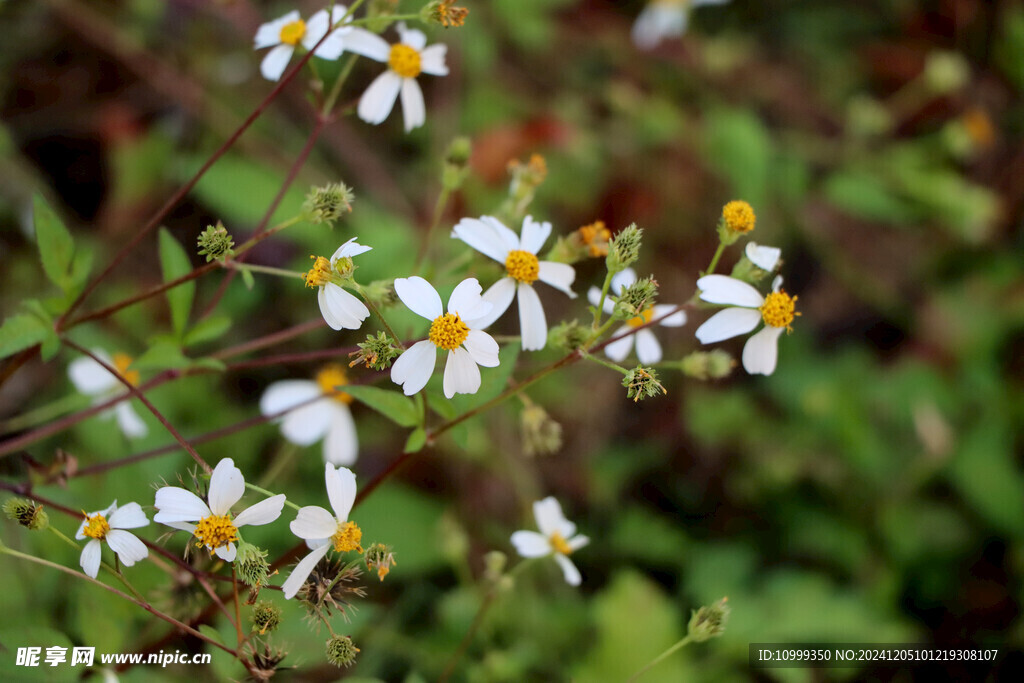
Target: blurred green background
871,490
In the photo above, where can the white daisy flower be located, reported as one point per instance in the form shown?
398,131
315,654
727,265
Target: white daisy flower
284,33
322,413
455,331
749,308
341,309
518,253
765,258
406,60
662,19
648,350
215,528
92,379
321,530
108,525
556,538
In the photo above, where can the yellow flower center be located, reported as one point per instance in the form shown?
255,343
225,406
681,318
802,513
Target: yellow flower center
215,531
347,538
404,61
641,319
779,309
559,544
448,331
96,527
739,216
121,363
522,265
330,378
293,31
321,272
595,237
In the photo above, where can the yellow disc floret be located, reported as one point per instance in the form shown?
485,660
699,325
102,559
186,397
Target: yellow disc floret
739,216
347,538
330,378
96,527
448,331
215,531
641,319
321,273
559,544
293,32
122,361
779,309
404,61
522,265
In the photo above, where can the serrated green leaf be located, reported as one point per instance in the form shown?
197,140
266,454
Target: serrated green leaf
56,247
397,407
416,441
174,263
207,329
20,332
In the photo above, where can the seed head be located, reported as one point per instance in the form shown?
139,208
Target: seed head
265,617
624,249
251,565
708,621
641,383
215,243
27,513
637,299
328,203
376,353
341,651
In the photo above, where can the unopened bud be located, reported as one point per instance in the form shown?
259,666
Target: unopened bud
251,565
495,562
215,243
624,249
568,336
541,434
456,163
637,300
946,72
328,203
705,365
709,621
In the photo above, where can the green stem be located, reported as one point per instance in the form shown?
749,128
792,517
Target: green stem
269,270
59,534
270,494
607,364
376,311
599,309
44,413
714,259
284,456
664,655
442,201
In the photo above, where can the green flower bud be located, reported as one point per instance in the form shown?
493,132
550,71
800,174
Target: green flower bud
568,336
328,203
637,300
251,565
215,243
705,365
946,72
708,622
624,249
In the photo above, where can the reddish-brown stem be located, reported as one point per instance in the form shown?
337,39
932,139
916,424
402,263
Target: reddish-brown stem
270,339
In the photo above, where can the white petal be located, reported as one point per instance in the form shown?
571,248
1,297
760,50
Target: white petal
285,395
129,422
301,572
314,522
226,552
658,21
412,37
91,378
344,307
504,233
648,350
332,320
418,294
534,235
665,316
413,368
727,324
341,444
129,549
128,516
341,490
569,570
332,47
558,275
499,296
379,99
620,348
316,28
349,249
263,512
270,33
175,504
466,299
482,348
226,487
90,560
181,526
533,326
276,61
548,513
432,60
414,112
308,424
762,350
594,297
777,283
765,258
362,42
482,237
461,374
722,289
531,544
577,542
622,280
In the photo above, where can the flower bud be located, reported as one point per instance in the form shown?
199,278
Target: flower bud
708,622
705,365
541,434
568,336
328,203
624,249
251,565
636,299
946,72
376,353
215,243
456,163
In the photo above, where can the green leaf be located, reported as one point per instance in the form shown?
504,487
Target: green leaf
397,407
50,347
162,355
56,248
416,441
207,329
21,331
175,263
738,145
248,279
866,195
